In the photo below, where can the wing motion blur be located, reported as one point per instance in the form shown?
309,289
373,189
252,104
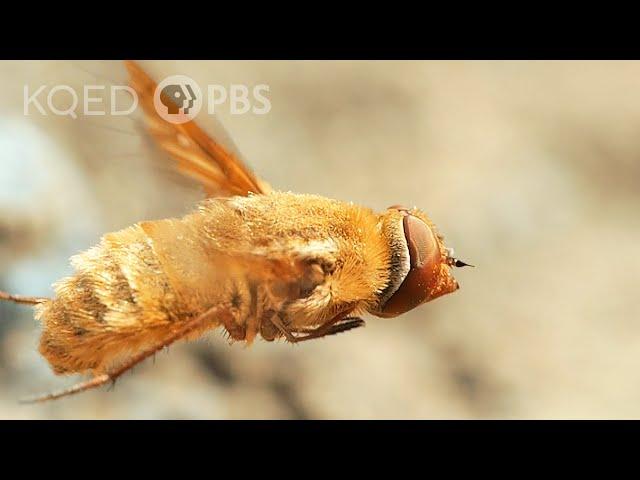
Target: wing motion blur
217,167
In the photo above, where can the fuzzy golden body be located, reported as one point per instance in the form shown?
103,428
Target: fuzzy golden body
302,257
250,260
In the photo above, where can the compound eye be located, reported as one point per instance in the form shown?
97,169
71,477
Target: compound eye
423,247
425,259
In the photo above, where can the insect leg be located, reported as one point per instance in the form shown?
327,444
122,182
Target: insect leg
22,299
344,325
339,323
100,380
336,325
280,326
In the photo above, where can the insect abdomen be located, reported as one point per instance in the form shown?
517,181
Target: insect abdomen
101,313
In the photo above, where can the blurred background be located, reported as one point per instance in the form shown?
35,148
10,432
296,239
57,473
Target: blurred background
530,169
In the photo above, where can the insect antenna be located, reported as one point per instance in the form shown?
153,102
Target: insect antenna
460,263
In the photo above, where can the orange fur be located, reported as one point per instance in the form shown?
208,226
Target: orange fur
258,262
305,257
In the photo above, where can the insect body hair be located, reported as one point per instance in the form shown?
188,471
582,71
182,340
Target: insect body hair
302,258
102,312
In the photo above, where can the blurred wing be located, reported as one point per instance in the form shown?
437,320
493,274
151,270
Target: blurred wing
220,170
196,269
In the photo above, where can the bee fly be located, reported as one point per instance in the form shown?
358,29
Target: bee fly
249,259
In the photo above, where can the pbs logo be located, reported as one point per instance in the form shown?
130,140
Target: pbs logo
178,99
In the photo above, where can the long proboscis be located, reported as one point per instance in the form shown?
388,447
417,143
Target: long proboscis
21,299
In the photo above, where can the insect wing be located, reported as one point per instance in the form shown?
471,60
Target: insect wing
215,161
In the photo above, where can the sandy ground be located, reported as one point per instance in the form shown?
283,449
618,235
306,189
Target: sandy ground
531,169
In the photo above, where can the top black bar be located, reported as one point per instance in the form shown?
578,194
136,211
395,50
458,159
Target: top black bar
393,33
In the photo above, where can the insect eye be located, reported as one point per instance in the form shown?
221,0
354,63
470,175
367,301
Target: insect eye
425,259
